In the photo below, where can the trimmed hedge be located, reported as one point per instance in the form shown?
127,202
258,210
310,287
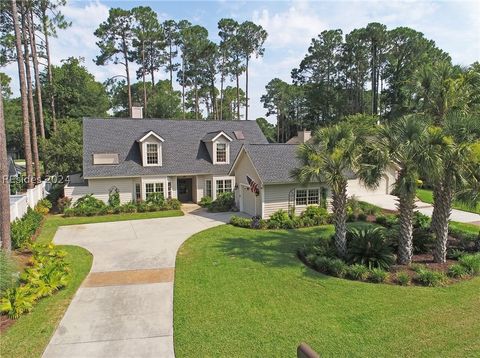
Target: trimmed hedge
22,230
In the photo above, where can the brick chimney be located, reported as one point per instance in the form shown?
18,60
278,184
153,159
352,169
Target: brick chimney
304,136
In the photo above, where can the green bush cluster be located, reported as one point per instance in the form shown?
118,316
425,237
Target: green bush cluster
224,202
427,277
8,271
468,265
312,216
205,201
359,210
47,274
403,279
88,205
43,206
369,247
22,230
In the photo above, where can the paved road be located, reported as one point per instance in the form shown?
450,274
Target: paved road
389,202
124,308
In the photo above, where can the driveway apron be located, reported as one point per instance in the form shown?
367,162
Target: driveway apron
124,308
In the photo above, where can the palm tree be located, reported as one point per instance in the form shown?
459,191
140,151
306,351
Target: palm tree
455,173
4,187
402,144
328,160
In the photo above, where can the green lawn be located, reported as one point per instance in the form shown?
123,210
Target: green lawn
243,293
29,336
426,196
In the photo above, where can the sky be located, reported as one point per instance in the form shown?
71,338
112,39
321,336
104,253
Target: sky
453,25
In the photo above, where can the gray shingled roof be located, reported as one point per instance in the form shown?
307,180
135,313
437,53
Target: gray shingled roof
274,162
183,150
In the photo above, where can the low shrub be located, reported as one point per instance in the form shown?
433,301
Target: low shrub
403,279
315,215
332,266
224,202
388,220
458,271
471,263
63,204
156,200
455,254
43,206
369,209
358,272
173,204
47,274
23,229
205,201
129,207
423,240
241,222
87,205
258,223
280,220
362,217
370,248
378,275
421,221
428,277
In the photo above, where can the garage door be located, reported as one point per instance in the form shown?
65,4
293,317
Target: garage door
248,201
358,189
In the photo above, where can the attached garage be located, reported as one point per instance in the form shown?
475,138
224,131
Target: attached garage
249,202
356,188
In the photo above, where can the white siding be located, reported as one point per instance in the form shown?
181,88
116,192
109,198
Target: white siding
243,168
101,187
356,188
276,197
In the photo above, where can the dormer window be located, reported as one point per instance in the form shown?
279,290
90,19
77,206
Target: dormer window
152,154
151,148
221,152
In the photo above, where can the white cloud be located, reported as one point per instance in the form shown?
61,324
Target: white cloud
296,26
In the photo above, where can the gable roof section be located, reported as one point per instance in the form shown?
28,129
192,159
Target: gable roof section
150,133
212,136
183,151
273,162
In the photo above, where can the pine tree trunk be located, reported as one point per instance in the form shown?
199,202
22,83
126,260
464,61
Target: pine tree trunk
246,91
196,102
238,96
49,71
4,184
183,86
222,79
339,205
214,100
23,95
33,47
440,217
170,64
31,105
143,78
127,73
405,246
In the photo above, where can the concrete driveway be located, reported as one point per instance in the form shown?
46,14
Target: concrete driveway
124,308
389,202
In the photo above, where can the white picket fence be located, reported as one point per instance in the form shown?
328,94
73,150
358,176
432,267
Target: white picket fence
20,203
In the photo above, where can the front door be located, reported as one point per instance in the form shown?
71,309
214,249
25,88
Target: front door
184,187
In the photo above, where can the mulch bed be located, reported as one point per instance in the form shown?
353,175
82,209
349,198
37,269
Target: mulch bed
5,322
422,259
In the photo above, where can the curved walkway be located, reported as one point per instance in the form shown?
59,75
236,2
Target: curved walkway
124,308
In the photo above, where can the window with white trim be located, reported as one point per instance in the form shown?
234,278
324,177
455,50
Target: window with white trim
152,153
221,151
138,193
224,186
153,188
208,188
307,197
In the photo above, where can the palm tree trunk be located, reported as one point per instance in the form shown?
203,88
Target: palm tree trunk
440,217
23,95
339,207
50,75
405,246
4,186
